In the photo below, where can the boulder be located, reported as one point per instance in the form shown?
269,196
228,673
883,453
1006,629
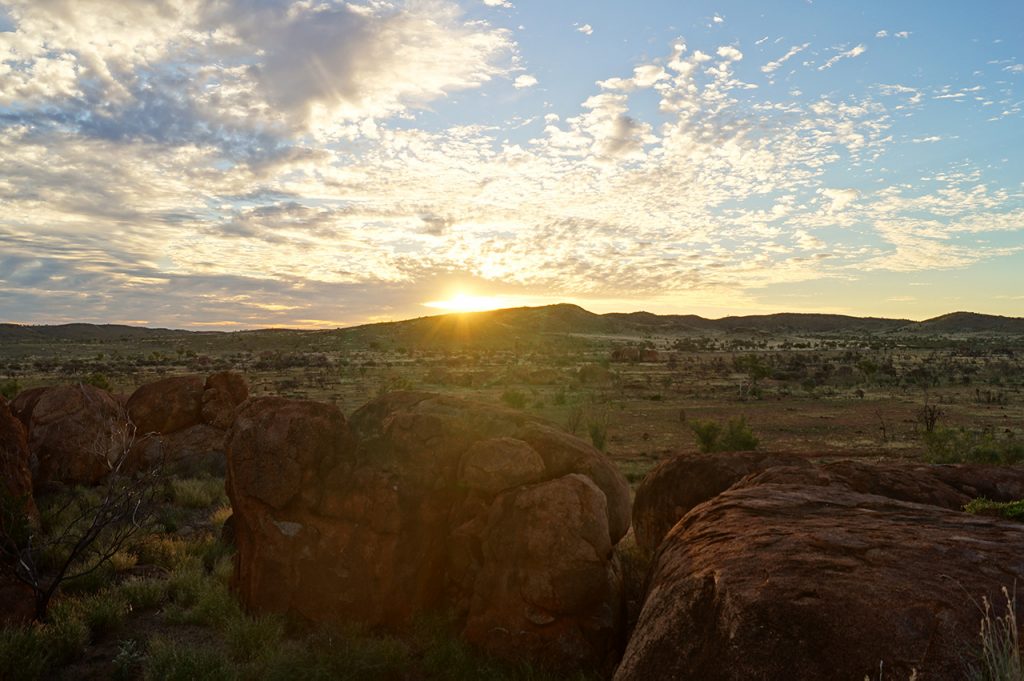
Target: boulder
75,433
24,402
796,581
187,451
223,393
15,475
670,490
167,405
423,503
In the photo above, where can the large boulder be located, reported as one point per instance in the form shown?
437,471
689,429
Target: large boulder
796,581
167,405
223,392
15,475
75,433
670,490
424,503
189,451
24,402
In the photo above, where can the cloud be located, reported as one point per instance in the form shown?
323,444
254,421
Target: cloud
730,53
1014,68
717,19
839,199
848,54
585,29
773,66
524,81
882,34
498,3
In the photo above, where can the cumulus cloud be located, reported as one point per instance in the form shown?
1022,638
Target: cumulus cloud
524,81
585,29
839,199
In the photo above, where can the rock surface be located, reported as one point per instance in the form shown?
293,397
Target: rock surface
424,502
15,475
670,490
75,432
222,394
798,581
167,405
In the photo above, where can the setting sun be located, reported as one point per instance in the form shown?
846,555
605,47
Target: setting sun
462,302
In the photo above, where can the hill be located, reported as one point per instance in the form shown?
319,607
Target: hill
524,326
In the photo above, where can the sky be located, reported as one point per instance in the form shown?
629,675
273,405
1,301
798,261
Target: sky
229,164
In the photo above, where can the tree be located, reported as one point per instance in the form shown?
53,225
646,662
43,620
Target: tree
79,534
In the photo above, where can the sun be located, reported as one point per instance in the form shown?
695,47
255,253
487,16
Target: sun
464,302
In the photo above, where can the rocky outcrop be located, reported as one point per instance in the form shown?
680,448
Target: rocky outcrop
422,503
805,581
75,434
670,490
181,421
15,475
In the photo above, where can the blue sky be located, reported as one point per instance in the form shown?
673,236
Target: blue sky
247,163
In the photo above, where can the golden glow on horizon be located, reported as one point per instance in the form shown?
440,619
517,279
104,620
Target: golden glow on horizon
464,302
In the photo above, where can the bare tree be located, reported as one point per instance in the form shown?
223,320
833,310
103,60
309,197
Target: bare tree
81,535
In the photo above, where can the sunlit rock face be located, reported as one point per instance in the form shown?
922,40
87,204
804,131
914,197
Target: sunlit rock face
423,503
811,571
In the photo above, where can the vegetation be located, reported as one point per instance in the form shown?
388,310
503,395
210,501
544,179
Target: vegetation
735,436
1013,510
960,445
1000,656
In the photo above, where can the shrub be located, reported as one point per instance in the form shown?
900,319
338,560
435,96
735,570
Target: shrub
9,389
1013,510
24,653
514,398
959,445
736,436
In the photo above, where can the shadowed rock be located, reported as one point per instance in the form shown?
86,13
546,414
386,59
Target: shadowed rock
15,475
167,405
426,502
73,434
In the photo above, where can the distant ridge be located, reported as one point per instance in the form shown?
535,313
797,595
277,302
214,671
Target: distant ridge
507,324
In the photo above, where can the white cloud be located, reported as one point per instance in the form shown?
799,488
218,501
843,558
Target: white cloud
773,66
585,29
524,81
902,34
882,34
730,53
839,199
498,3
1014,68
717,19
848,54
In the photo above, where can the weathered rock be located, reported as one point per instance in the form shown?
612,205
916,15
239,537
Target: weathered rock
75,433
547,584
496,464
424,502
24,402
946,486
189,450
15,475
669,491
167,405
779,581
224,392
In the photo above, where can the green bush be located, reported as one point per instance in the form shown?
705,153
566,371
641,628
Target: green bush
10,388
960,445
1013,510
514,398
736,436
24,653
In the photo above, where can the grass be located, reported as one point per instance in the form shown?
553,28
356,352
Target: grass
197,492
1013,510
999,658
